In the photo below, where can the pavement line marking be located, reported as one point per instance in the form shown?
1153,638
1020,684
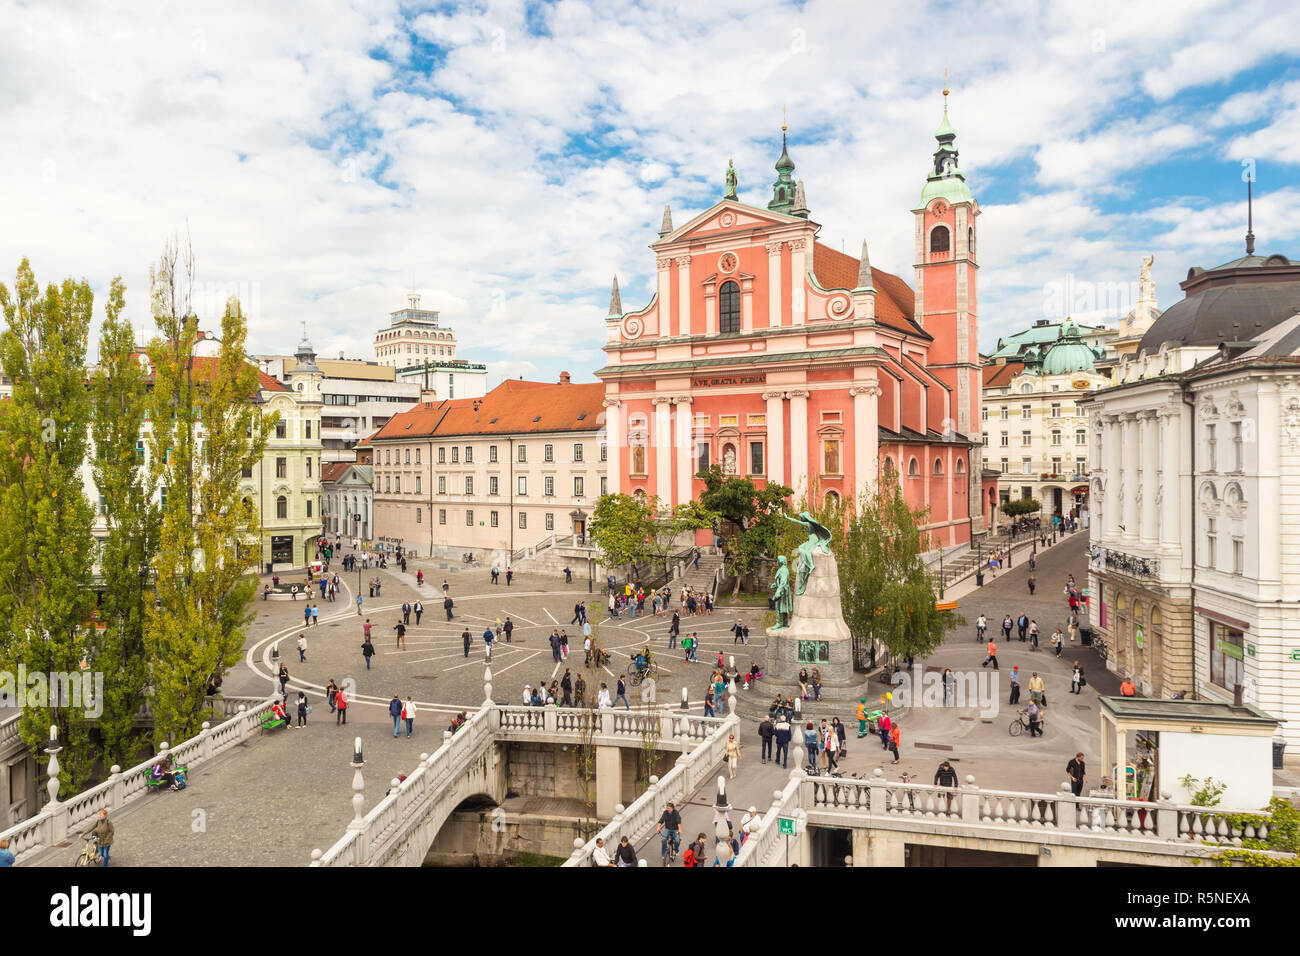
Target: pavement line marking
522,618
551,616
516,664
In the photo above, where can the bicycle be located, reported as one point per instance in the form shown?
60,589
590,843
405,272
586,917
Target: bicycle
670,842
90,852
1021,724
1100,647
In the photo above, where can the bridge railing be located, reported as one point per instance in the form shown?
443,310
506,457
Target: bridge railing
1156,822
370,839
58,819
686,775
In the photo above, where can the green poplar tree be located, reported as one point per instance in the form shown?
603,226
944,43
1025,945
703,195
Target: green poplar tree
127,488
205,433
45,550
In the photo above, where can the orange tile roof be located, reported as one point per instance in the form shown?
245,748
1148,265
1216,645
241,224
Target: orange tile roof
333,470
997,376
513,407
895,300
206,365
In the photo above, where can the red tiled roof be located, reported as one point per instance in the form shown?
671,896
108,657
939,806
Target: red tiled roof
895,300
997,376
333,470
513,407
205,365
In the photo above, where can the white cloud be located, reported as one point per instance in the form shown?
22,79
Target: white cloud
529,169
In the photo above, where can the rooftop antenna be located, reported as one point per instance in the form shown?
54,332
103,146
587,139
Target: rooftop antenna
1250,229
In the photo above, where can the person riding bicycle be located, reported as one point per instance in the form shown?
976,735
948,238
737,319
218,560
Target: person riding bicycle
1035,718
670,823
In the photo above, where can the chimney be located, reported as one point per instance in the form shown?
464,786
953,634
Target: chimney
428,396
564,378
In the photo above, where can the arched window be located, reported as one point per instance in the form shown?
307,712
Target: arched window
938,467
729,308
1026,389
889,465
970,242
939,241
961,467
282,507
832,500
913,469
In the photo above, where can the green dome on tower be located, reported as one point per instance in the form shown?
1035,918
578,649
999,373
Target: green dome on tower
1069,353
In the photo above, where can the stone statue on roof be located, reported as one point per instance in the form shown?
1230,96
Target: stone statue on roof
732,181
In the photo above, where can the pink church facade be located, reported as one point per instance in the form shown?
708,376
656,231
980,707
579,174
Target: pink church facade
783,360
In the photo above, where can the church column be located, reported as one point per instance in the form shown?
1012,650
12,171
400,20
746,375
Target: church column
614,440
683,295
1269,508
773,283
799,253
663,446
1129,479
775,437
866,435
1149,430
685,450
798,439
665,287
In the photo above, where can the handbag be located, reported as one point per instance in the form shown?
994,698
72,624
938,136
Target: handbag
1083,681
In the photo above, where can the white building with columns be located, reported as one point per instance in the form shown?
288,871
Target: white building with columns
1194,570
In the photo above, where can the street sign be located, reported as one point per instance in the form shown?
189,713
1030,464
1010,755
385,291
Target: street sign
785,825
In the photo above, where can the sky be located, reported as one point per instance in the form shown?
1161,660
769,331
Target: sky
506,160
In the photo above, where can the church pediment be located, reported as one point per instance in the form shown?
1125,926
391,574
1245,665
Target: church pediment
728,216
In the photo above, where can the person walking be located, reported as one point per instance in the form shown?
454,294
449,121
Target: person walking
1035,715
622,692
1033,634
564,646
1032,580
406,612
708,702
781,736
466,638
577,613
341,707
895,740
315,614
496,574
1007,624
447,605
841,735
882,728
862,716
1077,679
981,626
358,605
488,638
302,648
302,709
408,715
510,573
554,641
831,747
1072,622
1036,688
400,628
1077,771
738,629
283,676
395,711
368,650
1022,627
766,731
1015,685
566,686
602,698
732,753
687,646
811,743
419,609
949,688
992,655
331,691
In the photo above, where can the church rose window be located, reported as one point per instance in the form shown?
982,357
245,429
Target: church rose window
729,308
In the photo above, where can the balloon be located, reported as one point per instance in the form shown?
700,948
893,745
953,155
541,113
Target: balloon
889,697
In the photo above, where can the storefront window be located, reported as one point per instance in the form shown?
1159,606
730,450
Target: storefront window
1227,664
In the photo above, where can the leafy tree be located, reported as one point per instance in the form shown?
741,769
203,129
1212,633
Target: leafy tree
118,394
205,432
623,526
45,551
886,589
753,514
1020,506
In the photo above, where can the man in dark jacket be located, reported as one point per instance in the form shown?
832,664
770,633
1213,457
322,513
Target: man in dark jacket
945,776
781,733
395,711
766,731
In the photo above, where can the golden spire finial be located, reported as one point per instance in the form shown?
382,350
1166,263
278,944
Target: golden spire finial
945,87
783,119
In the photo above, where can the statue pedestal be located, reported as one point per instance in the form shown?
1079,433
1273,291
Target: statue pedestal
817,637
